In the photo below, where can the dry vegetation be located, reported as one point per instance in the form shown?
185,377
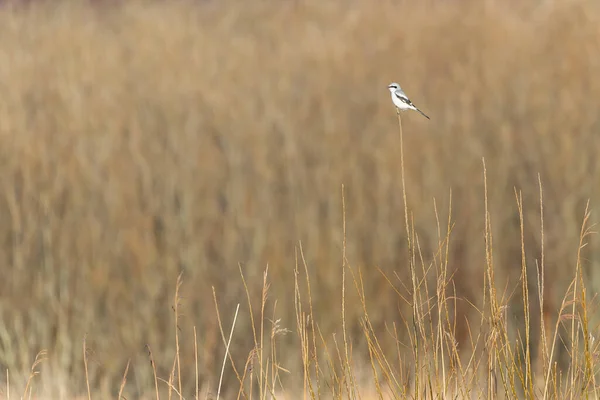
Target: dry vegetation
213,138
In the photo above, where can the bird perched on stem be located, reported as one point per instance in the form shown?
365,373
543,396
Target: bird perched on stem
401,101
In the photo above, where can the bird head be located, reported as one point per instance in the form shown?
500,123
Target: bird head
393,87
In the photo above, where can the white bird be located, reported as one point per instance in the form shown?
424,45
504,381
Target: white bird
401,101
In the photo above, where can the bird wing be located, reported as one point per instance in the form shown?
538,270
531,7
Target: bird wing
402,97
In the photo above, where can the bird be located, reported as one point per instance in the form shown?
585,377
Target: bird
401,101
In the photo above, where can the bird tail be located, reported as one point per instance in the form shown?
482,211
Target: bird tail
422,113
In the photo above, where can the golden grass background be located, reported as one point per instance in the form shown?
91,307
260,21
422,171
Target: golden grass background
141,140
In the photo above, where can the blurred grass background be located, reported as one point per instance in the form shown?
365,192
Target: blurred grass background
143,139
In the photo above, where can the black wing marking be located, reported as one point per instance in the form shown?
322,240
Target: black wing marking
404,99
407,101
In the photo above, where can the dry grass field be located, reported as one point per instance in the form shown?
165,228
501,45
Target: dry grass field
252,147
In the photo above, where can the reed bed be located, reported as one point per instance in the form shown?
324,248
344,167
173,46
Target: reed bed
168,166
